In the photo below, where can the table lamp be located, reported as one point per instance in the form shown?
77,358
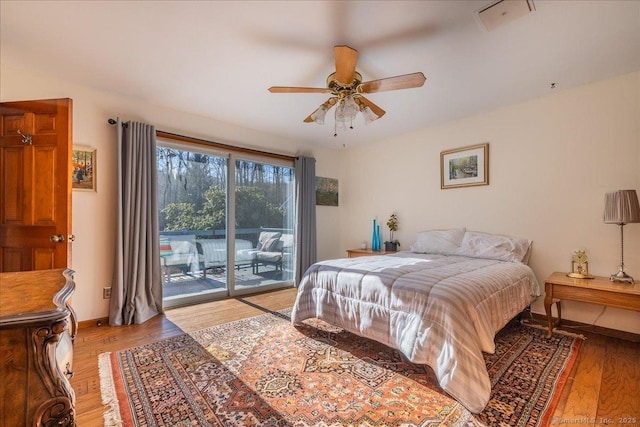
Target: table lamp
621,207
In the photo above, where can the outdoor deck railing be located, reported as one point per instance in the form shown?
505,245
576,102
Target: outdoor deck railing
251,234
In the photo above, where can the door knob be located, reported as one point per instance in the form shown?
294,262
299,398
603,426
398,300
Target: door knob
57,238
72,238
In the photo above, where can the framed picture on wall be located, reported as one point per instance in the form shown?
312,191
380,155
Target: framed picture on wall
326,191
465,167
83,168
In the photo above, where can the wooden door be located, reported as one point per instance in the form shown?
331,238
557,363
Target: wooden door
35,184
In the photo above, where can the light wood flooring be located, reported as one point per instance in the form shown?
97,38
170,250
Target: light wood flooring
603,388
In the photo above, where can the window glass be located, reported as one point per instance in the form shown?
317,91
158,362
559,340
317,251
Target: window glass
198,206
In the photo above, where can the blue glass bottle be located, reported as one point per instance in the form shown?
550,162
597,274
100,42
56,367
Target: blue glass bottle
374,236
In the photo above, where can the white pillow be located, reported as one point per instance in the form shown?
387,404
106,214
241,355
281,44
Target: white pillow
443,242
493,246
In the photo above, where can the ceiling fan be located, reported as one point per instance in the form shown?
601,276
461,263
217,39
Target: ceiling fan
347,89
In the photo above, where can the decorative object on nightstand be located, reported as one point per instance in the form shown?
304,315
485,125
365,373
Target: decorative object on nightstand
392,245
621,207
375,237
580,266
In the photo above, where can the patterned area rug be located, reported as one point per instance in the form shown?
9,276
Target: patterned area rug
263,371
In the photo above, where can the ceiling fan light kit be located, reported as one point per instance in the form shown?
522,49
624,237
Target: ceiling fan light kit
319,115
346,86
369,116
347,110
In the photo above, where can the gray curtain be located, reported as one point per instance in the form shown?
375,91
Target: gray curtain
306,251
136,293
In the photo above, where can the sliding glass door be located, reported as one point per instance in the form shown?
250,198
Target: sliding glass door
226,223
264,218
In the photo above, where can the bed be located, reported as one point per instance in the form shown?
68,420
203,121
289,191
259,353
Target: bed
440,304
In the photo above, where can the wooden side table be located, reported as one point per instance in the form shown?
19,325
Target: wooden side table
355,253
599,290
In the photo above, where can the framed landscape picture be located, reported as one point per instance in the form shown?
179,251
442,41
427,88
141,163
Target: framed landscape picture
83,168
326,191
465,167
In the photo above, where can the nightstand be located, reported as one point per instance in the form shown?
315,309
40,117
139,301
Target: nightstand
355,253
599,290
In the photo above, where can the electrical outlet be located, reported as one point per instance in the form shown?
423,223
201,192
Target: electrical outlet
106,292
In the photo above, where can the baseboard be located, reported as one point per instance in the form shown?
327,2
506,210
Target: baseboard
585,327
102,321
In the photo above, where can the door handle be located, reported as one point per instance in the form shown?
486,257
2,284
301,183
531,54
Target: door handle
26,138
71,238
57,238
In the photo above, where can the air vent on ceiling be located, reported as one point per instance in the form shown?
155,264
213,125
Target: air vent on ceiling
502,12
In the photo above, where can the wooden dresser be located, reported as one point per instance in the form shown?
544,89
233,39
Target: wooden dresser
37,329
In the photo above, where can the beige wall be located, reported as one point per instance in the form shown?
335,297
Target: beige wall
94,213
551,161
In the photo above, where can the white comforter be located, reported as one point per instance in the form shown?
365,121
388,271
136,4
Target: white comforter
443,311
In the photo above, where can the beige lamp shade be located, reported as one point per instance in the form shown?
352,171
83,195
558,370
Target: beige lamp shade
621,207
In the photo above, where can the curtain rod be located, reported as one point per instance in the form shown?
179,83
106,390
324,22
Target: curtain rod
183,138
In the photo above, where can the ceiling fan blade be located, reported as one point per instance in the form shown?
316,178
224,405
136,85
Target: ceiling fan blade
345,58
405,81
327,105
288,89
376,110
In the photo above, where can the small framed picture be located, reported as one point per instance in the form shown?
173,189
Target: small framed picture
465,167
326,191
83,168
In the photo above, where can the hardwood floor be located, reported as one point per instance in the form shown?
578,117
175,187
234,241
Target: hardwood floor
603,388
94,340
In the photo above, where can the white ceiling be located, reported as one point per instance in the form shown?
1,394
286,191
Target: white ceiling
218,58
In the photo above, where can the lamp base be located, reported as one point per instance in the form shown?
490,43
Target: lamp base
621,276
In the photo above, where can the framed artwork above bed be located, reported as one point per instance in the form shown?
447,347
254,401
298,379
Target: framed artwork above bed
465,167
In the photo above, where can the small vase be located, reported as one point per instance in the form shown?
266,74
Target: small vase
374,235
378,241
